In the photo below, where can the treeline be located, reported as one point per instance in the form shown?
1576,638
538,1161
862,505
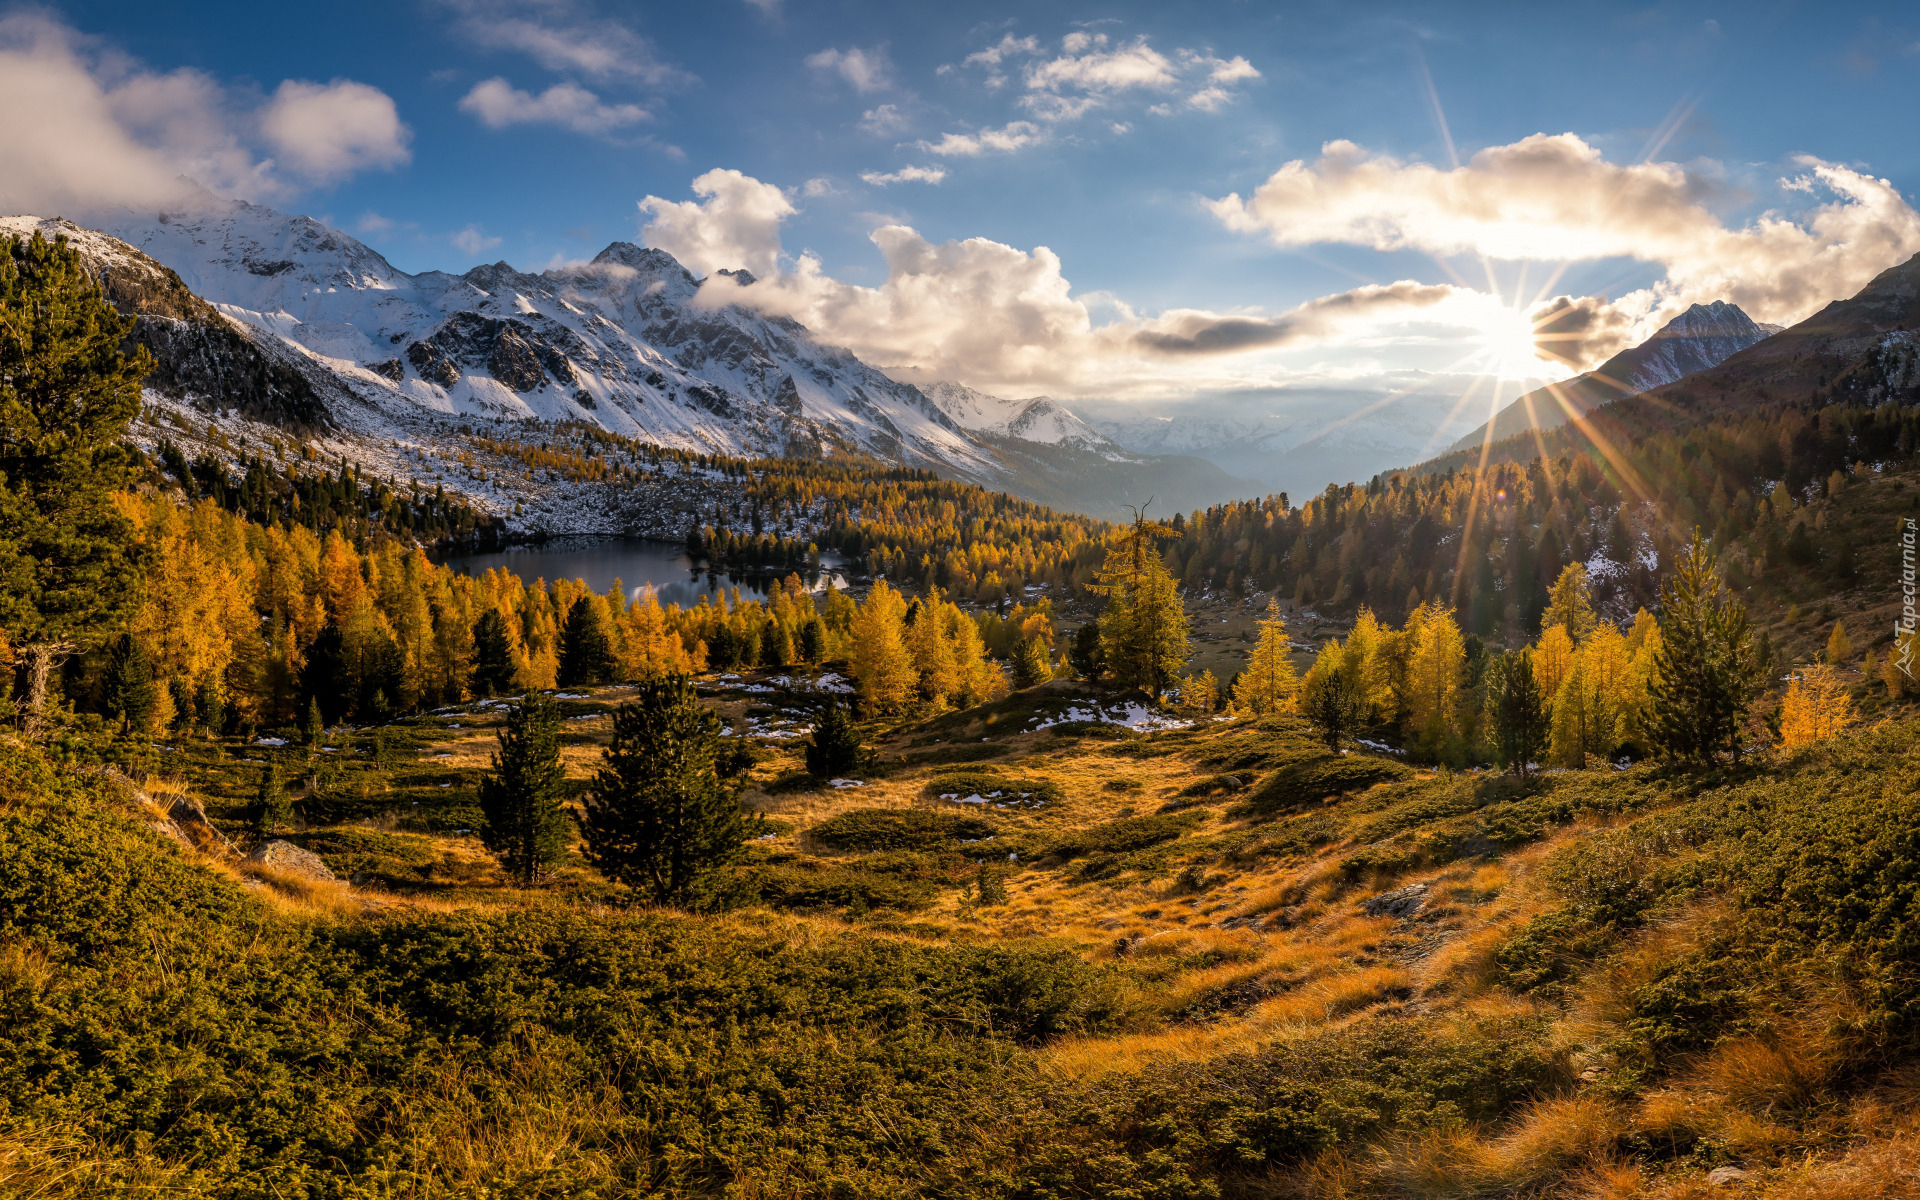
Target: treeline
269,492
1491,543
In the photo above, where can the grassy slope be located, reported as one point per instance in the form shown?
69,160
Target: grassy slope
1613,982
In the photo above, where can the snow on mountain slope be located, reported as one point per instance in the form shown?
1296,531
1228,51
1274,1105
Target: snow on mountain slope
1038,419
617,342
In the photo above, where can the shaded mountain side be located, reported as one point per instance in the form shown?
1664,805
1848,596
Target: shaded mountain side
199,353
1700,338
1072,477
1861,350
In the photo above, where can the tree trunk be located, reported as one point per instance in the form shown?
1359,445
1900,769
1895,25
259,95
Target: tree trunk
41,658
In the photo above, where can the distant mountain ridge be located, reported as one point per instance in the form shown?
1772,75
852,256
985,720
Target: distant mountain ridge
1700,338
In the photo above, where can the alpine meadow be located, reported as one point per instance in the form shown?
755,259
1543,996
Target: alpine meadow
1254,602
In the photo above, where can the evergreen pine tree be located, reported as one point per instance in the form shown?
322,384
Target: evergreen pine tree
316,728
835,749
1706,673
492,655
128,692
586,652
271,808
526,825
212,703
1332,698
658,817
1083,653
1032,665
1517,710
813,640
67,397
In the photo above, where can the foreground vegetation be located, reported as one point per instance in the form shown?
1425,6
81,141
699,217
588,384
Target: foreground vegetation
1220,961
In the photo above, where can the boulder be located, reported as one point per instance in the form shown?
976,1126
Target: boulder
290,859
1400,902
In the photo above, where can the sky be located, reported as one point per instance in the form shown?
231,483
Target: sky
1132,203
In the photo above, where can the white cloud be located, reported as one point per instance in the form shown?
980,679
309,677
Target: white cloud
333,130
561,36
996,316
472,241
1088,64
1009,137
95,131
498,104
905,175
738,225
883,121
1092,71
815,188
769,8
865,70
1553,198
373,224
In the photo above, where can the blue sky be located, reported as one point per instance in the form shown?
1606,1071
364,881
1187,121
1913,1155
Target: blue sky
1121,180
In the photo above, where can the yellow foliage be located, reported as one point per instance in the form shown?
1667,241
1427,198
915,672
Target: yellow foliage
1269,684
1816,707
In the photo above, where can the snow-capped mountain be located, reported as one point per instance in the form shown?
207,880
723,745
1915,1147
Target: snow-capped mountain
1038,419
1704,336
619,342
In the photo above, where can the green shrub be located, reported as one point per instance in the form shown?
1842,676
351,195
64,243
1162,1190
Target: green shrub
1126,834
1313,780
900,829
392,858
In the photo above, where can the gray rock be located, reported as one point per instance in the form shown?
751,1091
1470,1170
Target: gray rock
1400,902
291,859
187,816
1726,1177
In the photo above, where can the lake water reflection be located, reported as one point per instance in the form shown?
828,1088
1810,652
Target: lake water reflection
636,563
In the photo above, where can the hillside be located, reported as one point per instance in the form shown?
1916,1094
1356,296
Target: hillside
1225,963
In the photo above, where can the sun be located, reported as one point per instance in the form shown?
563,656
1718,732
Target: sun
1508,348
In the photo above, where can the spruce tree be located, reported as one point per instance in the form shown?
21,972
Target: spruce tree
1032,665
659,818
1333,700
586,652
1517,710
526,825
1706,673
67,397
316,727
813,640
128,692
1083,653
834,750
271,808
493,669
211,702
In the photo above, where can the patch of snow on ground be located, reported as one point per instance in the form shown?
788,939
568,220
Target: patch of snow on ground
1133,715
267,741
845,783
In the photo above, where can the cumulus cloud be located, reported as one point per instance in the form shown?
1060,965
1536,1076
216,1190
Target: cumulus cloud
865,70
997,316
905,175
1554,198
473,241
737,225
96,131
1009,137
562,36
498,104
1581,331
327,131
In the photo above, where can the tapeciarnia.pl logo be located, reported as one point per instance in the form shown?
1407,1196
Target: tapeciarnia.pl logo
1903,628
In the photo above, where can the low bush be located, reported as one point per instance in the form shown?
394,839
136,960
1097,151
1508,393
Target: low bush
1314,780
900,829
1126,834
